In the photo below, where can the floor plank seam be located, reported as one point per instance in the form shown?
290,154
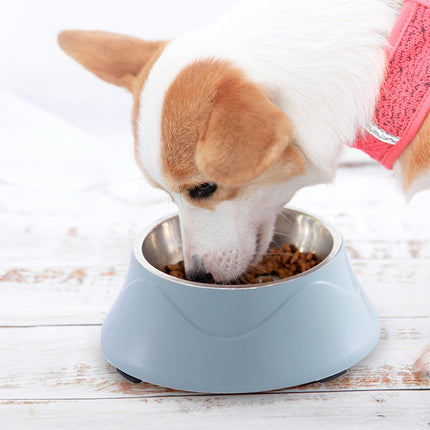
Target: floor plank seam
199,395
51,325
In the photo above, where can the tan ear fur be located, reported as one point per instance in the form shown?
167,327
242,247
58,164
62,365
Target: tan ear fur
245,134
115,58
415,159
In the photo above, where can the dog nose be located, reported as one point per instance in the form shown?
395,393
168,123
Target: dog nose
203,277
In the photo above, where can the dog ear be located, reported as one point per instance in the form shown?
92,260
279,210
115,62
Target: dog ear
115,58
245,134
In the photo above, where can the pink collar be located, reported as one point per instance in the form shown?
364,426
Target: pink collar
404,100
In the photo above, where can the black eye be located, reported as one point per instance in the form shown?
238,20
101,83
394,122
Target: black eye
202,191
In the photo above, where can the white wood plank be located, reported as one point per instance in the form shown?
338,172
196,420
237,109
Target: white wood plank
396,288
389,249
58,295
343,410
71,228
66,362
50,295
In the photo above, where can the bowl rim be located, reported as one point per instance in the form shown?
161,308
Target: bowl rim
139,256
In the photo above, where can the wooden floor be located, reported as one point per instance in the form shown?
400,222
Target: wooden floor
63,259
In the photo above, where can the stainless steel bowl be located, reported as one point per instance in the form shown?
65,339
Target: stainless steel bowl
162,245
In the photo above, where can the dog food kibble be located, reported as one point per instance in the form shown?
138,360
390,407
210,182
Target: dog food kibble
176,270
279,263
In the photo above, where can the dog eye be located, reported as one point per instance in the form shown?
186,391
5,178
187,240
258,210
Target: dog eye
202,191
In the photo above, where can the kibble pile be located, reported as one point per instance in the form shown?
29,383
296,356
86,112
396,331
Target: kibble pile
279,263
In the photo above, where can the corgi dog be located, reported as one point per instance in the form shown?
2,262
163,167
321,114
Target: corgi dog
231,120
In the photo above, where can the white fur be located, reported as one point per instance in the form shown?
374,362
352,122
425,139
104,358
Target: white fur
322,63
422,365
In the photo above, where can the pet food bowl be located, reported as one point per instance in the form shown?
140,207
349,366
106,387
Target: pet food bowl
236,339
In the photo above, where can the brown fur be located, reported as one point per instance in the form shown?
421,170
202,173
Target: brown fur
218,126
115,58
289,165
415,159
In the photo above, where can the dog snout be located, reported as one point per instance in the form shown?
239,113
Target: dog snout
203,277
197,271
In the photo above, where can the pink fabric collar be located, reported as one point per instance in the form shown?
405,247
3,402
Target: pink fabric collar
404,100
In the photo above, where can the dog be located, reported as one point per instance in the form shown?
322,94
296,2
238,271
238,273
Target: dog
233,119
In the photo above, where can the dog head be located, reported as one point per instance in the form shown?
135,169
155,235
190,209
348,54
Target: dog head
210,137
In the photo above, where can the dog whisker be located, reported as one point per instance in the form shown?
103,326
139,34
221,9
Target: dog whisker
256,267
289,221
278,233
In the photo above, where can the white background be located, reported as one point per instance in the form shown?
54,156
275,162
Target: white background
33,66
61,127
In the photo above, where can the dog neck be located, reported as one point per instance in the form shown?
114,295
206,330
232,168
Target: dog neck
404,100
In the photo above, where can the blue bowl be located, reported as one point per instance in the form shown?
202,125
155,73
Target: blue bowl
239,339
